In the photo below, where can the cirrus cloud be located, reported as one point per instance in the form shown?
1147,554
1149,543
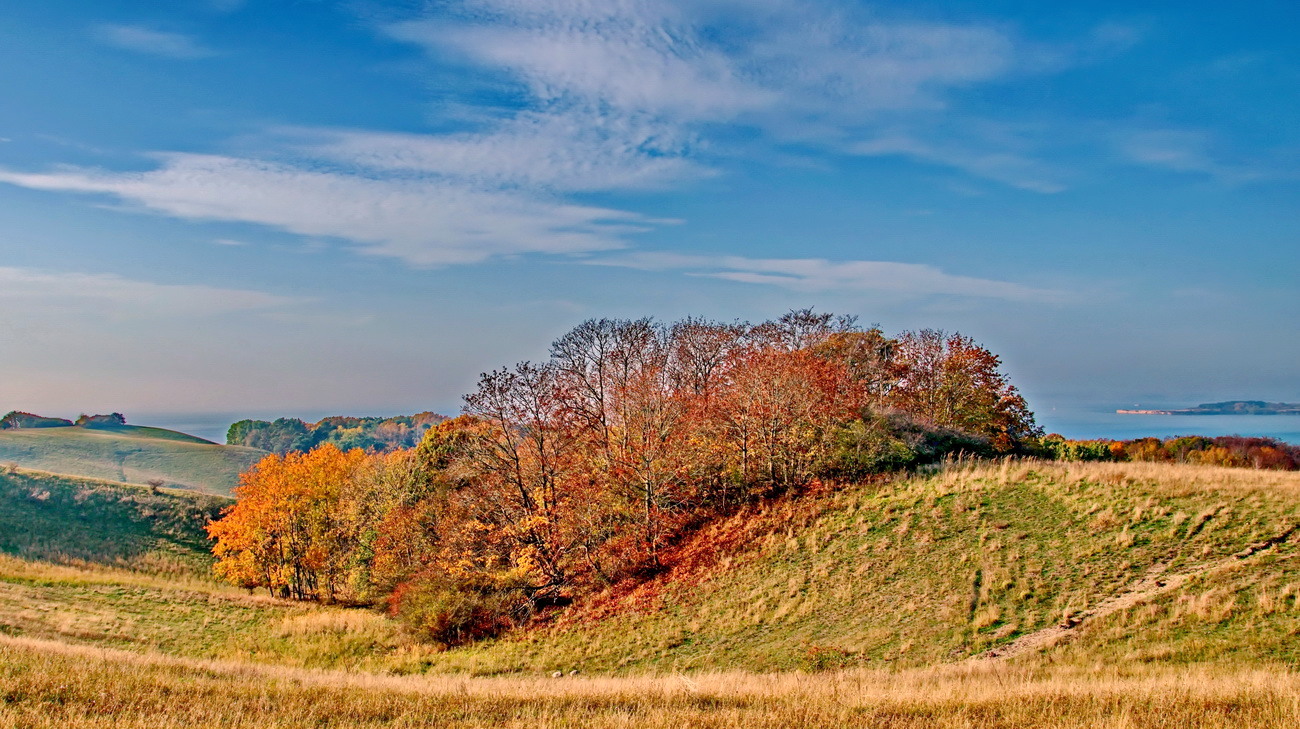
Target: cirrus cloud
424,222
820,274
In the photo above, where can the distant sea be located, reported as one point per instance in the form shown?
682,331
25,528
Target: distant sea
1072,423
1085,424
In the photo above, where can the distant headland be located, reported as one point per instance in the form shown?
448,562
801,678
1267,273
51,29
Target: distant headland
1231,407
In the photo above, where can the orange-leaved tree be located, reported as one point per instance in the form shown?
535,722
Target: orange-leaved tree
287,532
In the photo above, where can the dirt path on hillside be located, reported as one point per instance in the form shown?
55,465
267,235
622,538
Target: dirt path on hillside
1154,583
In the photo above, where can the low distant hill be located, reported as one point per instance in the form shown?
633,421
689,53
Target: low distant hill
101,448
1230,407
54,517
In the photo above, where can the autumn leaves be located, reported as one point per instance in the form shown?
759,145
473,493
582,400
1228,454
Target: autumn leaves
583,470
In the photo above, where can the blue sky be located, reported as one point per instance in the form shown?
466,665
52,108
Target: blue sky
257,206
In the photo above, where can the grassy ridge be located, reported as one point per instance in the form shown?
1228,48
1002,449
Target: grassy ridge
46,516
941,569
132,454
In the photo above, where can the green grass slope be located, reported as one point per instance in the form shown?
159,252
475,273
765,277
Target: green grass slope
60,518
944,568
131,454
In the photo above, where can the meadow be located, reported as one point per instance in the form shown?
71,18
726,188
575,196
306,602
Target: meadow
1138,594
45,684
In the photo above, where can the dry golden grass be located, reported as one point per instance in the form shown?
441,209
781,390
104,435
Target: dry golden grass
47,685
1172,478
81,572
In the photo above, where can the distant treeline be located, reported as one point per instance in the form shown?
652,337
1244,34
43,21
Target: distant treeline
14,419
1228,450
288,435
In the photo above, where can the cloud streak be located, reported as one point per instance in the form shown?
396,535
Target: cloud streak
423,222
25,288
820,275
150,41
573,152
1195,152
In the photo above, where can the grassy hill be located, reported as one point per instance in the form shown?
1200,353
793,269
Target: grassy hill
945,568
132,454
976,596
48,517
931,570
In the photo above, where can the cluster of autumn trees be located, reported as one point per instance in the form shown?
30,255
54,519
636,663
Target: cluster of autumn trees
284,435
1229,450
16,419
583,470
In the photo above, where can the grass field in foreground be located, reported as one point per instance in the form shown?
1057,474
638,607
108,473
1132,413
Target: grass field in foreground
50,685
131,454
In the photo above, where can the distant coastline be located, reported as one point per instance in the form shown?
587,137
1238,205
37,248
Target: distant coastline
1231,407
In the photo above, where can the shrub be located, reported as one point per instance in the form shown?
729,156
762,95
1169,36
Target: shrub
864,447
451,611
877,444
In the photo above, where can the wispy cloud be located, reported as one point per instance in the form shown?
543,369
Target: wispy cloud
626,57
571,152
151,41
774,63
1191,151
998,165
819,274
651,74
107,292
424,222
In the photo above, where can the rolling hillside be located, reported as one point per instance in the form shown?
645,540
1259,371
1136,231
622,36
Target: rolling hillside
130,454
1079,562
53,517
950,567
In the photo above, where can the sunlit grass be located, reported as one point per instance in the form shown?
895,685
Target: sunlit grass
53,685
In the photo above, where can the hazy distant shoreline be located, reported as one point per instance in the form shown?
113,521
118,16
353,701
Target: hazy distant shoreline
1231,407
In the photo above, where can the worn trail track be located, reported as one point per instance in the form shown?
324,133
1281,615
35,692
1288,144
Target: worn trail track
1154,583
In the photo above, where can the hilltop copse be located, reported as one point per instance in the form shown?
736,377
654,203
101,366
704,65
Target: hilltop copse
567,476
